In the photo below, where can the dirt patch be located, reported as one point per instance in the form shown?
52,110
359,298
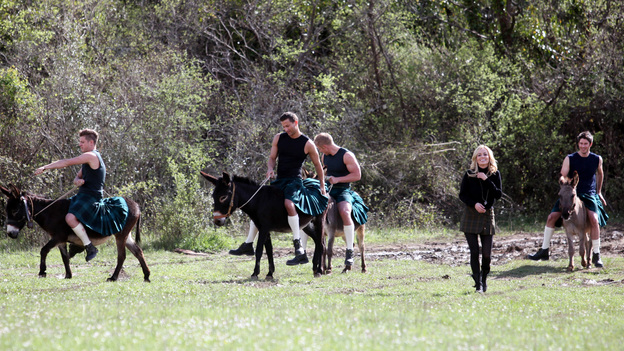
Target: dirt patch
455,252
505,248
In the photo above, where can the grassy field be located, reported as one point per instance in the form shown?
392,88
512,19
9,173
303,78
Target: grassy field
208,303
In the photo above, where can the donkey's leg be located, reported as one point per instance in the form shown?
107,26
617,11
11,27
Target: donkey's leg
269,250
262,237
360,241
138,253
331,235
120,240
44,254
65,257
318,245
570,251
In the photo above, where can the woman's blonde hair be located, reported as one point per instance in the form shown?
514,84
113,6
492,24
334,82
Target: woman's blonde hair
492,167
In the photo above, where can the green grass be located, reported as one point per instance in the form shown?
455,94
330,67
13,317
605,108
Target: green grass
210,303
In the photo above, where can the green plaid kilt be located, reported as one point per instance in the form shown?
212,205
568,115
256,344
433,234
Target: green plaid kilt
106,216
358,209
473,222
592,203
304,193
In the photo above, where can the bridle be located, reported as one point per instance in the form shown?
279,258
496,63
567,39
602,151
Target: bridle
25,200
229,212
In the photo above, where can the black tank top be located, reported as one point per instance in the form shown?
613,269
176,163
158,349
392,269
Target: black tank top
290,155
94,178
336,166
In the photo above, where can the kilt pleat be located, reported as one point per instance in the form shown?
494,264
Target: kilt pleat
473,222
304,193
106,216
358,209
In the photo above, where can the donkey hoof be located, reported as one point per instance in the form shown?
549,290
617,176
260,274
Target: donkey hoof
111,279
146,280
269,277
42,275
317,275
363,270
254,277
328,271
570,268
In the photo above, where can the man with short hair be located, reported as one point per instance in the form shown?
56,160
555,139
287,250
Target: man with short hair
343,169
291,148
588,165
105,216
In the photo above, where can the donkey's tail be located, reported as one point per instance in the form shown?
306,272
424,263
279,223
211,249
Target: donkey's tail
138,230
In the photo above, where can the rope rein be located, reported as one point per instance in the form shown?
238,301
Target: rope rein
53,202
252,196
229,212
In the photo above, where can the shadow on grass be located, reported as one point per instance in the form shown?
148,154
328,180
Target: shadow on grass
528,270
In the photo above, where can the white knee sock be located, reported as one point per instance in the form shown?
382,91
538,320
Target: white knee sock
596,244
81,232
293,222
548,232
349,232
304,241
253,231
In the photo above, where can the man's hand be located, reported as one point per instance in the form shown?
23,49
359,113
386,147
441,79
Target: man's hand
602,199
39,170
479,207
78,182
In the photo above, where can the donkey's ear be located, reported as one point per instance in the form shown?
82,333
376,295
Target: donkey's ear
5,191
226,178
15,191
210,178
575,179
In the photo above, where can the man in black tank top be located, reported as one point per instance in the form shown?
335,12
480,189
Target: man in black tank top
589,189
292,148
88,140
343,169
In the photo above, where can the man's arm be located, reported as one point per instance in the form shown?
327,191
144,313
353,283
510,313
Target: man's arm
310,149
87,157
272,157
599,180
353,167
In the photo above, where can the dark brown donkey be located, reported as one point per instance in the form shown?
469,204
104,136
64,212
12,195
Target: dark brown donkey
575,221
22,208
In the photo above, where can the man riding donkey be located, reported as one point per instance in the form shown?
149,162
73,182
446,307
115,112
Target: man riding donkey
308,196
588,165
343,169
104,215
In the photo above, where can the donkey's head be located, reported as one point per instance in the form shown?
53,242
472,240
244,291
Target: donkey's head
17,213
222,196
567,195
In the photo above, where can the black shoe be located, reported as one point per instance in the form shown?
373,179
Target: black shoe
541,254
91,252
349,258
244,249
477,280
596,260
299,259
75,249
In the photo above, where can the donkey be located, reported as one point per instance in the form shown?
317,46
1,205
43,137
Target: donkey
22,208
265,207
575,221
334,227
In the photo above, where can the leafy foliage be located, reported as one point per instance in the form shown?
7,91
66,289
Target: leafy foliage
412,87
